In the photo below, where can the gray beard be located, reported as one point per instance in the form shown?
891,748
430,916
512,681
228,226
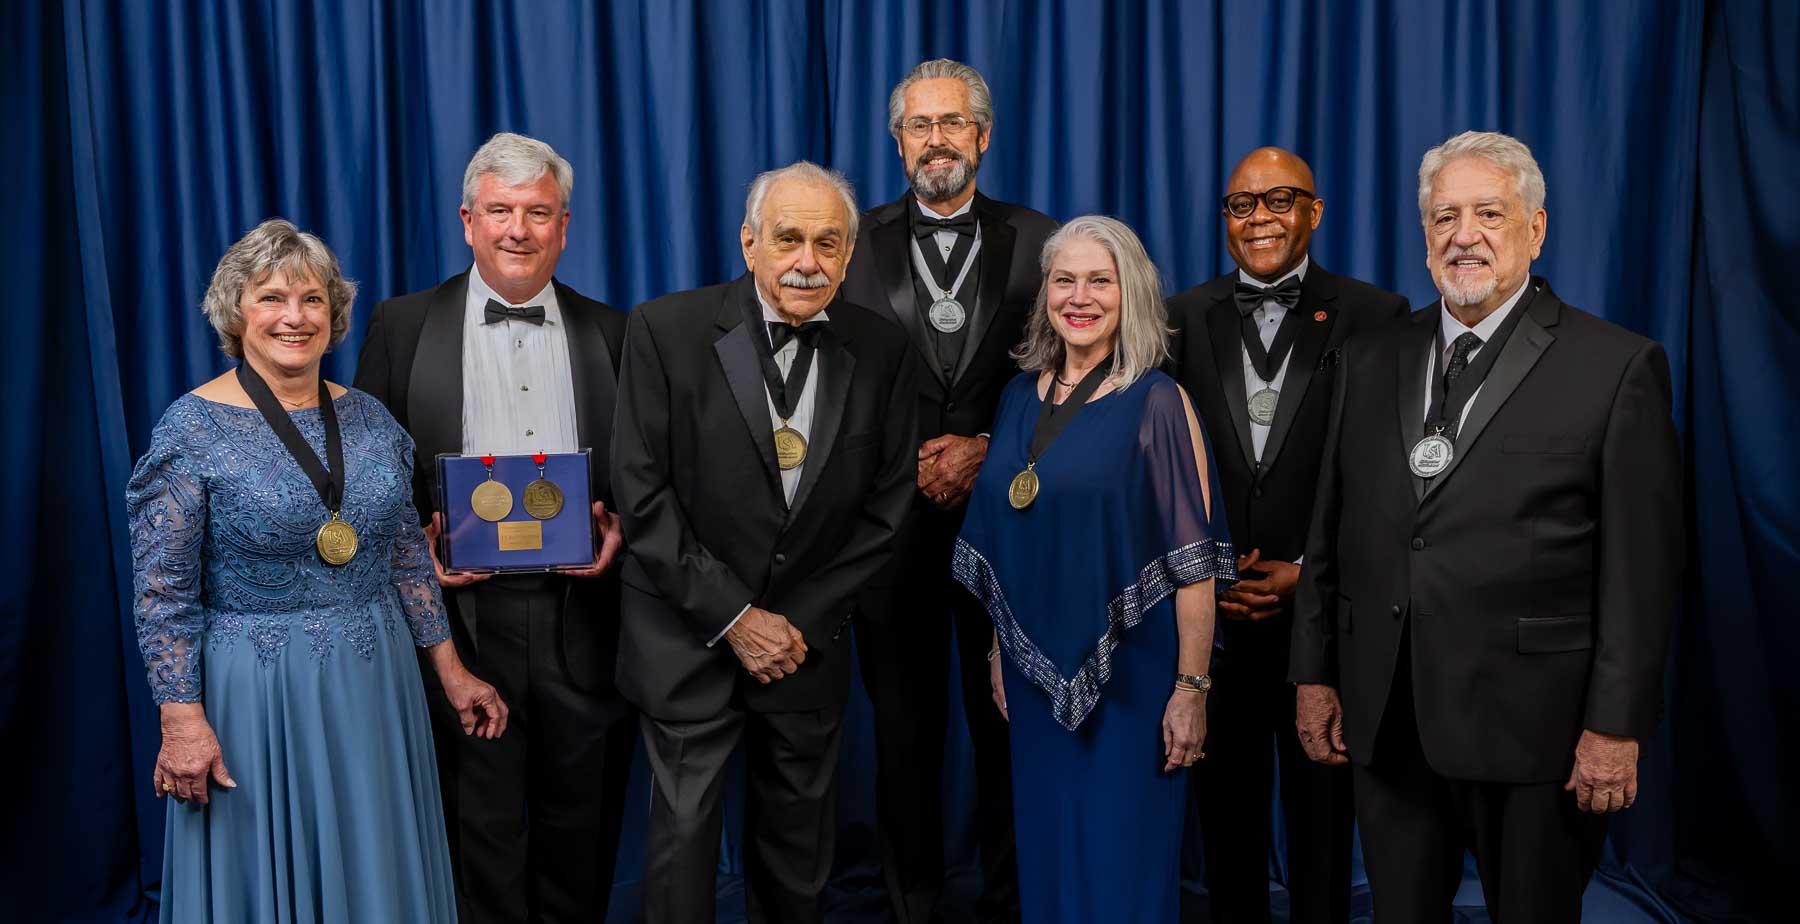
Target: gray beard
1463,297
944,186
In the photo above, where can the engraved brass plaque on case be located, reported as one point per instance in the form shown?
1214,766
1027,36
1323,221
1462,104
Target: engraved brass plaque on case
521,535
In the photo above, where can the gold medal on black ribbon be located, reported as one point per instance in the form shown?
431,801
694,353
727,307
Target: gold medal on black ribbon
790,447
336,541
1023,491
543,499
491,500
1024,488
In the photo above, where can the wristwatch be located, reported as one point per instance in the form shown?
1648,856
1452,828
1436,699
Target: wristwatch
1200,682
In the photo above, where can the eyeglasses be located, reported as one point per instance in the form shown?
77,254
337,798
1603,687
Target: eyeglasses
1279,199
952,125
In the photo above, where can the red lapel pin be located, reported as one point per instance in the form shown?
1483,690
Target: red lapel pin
1319,315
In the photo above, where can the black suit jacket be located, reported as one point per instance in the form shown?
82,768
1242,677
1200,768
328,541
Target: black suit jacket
1539,572
708,530
880,277
1269,506
411,361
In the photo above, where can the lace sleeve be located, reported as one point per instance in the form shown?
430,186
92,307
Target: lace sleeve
1185,482
420,597
165,505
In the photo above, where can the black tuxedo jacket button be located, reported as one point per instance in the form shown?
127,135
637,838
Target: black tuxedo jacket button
1418,544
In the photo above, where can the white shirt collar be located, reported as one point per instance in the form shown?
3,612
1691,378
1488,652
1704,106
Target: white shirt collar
480,292
1300,271
926,211
1484,328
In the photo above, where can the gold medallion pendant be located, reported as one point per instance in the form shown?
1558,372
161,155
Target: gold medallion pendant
490,500
790,448
336,541
543,499
1023,490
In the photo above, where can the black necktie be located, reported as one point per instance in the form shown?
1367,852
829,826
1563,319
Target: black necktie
1453,370
963,224
1459,358
808,334
497,312
1250,298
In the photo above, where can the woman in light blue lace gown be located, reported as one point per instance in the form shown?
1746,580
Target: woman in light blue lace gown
295,740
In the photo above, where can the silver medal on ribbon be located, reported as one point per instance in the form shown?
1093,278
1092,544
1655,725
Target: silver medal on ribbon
1431,455
946,313
1262,406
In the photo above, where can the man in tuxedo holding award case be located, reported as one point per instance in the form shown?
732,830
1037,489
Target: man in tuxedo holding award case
504,360
763,461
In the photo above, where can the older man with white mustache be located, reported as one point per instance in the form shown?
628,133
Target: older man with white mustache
1489,586
763,462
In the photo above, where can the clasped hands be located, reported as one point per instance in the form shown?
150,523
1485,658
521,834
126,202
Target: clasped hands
768,646
948,466
612,538
1253,599
1604,778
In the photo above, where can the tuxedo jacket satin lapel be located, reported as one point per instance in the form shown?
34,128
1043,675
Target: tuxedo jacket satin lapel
743,372
1410,364
893,252
434,396
1222,328
1520,352
835,368
997,237
1318,292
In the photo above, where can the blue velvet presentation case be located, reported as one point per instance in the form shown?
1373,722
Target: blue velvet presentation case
471,543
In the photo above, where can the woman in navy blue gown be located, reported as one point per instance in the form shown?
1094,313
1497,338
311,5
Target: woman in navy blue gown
1092,540
281,584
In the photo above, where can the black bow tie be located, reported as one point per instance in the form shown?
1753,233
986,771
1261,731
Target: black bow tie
925,226
780,332
497,312
1250,298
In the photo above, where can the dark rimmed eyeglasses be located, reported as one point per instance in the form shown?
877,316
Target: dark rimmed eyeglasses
1278,199
952,125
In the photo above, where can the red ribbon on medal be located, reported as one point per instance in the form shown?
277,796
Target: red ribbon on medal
539,458
487,461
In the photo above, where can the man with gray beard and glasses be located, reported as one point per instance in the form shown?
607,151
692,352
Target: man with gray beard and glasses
1493,566
958,272
763,461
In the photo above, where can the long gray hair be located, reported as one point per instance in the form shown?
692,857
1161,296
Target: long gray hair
1143,338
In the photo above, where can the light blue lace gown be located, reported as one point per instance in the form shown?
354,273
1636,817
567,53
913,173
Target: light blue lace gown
306,670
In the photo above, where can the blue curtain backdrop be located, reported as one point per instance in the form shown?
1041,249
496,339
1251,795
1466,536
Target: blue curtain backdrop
145,137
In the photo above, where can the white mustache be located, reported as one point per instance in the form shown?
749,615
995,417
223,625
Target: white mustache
1481,252
798,280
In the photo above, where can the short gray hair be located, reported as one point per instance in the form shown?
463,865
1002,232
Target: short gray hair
1143,342
1503,151
273,246
516,160
981,102
799,170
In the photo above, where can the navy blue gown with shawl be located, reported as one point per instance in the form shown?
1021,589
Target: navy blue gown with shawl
1081,589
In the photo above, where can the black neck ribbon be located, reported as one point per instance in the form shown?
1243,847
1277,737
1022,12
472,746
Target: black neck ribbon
1268,362
1050,424
786,392
1447,405
329,484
